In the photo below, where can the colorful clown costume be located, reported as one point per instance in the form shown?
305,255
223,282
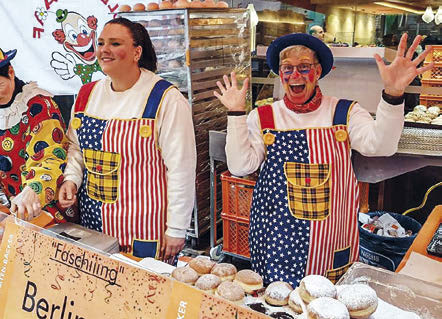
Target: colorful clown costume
33,145
128,158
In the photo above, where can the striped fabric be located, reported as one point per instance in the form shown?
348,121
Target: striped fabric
332,234
129,220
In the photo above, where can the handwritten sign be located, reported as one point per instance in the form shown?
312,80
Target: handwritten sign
44,277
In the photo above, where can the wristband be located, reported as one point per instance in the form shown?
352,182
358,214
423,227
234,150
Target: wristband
393,100
236,113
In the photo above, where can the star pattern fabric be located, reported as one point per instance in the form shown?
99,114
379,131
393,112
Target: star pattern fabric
90,136
279,242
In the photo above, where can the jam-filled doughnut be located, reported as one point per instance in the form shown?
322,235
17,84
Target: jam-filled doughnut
249,280
361,300
315,286
224,271
201,265
185,274
277,293
327,308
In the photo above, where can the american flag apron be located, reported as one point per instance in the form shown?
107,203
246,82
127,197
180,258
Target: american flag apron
123,193
303,218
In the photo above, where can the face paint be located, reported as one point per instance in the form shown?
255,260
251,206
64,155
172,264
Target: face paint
299,87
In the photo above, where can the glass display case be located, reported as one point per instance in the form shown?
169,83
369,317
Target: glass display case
195,48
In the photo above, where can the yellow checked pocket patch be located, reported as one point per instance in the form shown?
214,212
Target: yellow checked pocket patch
103,174
308,190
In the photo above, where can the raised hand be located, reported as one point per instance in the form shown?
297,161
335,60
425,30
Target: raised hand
233,98
399,74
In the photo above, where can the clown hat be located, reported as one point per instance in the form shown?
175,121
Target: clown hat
5,57
323,52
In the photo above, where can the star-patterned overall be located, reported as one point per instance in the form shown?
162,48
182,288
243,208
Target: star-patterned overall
303,218
123,192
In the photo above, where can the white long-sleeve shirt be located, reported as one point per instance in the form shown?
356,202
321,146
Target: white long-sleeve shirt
245,148
176,139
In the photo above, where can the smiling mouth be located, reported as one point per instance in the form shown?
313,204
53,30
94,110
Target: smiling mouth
89,53
297,88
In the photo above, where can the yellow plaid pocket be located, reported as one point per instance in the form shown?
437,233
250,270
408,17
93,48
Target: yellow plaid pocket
103,173
308,190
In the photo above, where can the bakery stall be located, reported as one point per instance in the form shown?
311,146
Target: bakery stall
195,47
47,273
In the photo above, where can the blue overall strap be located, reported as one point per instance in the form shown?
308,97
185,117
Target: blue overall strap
155,98
341,111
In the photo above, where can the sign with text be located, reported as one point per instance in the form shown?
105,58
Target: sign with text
44,277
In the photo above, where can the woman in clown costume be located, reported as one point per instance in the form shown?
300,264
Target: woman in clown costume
132,157
32,144
303,218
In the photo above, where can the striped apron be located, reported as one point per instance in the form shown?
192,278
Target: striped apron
303,218
124,190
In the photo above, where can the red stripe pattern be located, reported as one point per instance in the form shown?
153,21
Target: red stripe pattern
140,211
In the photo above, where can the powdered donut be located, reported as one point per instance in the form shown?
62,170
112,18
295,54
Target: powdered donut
225,271
208,283
277,293
185,274
230,291
295,301
361,300
327,308
249,280
315,286
200,264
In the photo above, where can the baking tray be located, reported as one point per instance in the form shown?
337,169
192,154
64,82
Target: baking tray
423,125
405,292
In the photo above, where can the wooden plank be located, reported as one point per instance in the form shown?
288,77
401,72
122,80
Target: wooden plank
216,42
210,74
227,60
202,96
211,21
196,86
195,33
222,51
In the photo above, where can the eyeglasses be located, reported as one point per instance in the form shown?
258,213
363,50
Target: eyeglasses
302,68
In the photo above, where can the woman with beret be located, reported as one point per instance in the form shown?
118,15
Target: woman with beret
303,218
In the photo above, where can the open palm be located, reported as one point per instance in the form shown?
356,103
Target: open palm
399,74
233,98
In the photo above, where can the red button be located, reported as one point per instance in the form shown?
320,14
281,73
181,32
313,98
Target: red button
98,168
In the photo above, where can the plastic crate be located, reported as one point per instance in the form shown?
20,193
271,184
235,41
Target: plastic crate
237,195
237,200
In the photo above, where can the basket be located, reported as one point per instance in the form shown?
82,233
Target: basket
237,200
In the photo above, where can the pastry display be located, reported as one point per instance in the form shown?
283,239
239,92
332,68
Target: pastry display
230,291
208,283
249,280
225,271
327,308
185,274
154,23
277,293
316,286
361,300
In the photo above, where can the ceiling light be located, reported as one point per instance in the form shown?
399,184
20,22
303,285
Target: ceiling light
438,17
428,16
399,7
